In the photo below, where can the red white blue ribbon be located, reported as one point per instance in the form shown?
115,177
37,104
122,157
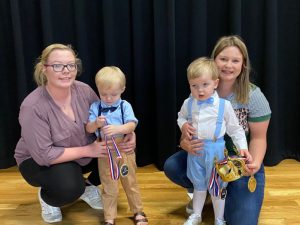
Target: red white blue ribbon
214,181
114,168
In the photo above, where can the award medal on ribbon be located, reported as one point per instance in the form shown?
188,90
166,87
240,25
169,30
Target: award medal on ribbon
251,183
113,164
114,168
124,170
223,193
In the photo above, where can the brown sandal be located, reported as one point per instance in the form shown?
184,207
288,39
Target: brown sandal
143,220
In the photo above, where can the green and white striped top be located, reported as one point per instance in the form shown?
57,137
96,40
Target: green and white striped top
256,110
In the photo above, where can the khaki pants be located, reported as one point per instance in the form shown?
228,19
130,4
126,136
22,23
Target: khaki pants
111,189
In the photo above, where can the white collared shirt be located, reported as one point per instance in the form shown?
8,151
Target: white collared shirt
204,119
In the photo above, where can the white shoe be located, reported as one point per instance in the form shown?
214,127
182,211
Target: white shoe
92,196
189,207
194,219
220,222
50,214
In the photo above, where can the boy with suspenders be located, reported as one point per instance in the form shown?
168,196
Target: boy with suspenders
110,119
212,117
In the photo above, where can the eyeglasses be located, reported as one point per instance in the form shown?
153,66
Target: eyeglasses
60,67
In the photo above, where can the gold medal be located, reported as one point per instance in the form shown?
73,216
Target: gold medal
223,193
252,183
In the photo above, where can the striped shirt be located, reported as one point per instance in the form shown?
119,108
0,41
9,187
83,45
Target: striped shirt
256,110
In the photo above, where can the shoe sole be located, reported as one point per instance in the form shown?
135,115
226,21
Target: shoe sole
86,201
51,221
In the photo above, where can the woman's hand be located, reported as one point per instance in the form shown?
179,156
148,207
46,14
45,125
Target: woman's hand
252,168
245,153
188,131
129,143
191,146
97,149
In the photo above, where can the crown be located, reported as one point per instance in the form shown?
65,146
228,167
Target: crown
231,168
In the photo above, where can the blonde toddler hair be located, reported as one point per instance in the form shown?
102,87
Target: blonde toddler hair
200,66
109,76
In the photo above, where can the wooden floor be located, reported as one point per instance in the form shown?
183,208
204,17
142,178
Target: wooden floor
163,201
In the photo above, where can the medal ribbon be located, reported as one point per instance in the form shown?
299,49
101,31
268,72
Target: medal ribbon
114,168
214,181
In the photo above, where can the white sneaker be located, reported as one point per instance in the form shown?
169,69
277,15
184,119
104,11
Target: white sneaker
194,219
50,214
189,207
220,222
92,196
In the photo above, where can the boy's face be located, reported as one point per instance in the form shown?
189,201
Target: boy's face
109,95
203,87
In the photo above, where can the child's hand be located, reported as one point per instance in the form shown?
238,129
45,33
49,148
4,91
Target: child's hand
110,130
100,121
188,130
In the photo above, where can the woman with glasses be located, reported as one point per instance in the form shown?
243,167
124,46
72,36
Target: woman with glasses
54,150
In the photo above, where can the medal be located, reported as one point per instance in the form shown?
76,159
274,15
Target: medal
252,183
124,170
223,193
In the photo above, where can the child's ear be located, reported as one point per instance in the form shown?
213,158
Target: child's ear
123,89
216,83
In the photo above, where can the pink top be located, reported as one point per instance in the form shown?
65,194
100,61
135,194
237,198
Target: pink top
46,130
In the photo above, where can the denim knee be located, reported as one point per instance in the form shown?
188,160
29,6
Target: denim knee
175,168
243,205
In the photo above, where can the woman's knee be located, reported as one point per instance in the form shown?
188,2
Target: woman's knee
69,183
169,167
69,192
176,163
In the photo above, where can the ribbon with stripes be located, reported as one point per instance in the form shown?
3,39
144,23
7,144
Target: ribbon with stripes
214,181
114,168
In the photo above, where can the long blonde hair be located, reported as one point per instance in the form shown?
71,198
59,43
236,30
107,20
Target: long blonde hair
39,76
241,86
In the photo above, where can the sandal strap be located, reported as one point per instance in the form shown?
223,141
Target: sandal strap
136,221
140,214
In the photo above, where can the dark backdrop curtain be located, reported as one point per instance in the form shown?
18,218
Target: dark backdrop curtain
153,41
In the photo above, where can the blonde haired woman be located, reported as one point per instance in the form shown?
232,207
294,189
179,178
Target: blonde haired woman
254,113
54,150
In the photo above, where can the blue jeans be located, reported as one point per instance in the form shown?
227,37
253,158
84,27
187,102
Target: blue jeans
241,207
